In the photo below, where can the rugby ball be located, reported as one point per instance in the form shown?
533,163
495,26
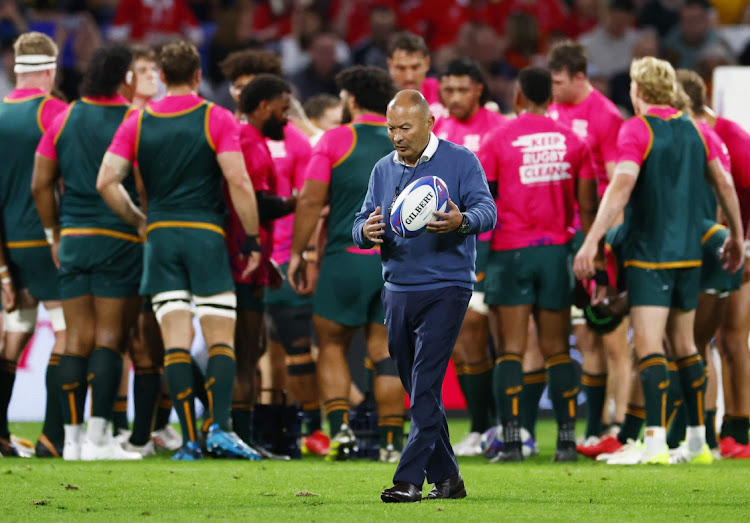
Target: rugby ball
413,208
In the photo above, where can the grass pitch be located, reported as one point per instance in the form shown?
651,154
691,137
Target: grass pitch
314,490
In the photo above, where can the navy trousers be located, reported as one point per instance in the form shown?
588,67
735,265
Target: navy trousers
422,330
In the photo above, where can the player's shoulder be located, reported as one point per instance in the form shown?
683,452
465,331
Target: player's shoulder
54,106
727,126
219,112
634,124
295,137
335,136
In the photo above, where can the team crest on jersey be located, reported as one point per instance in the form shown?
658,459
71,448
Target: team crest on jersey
580,127
277,148
543,158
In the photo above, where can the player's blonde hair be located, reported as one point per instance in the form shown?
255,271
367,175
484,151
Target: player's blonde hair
656,80
35,43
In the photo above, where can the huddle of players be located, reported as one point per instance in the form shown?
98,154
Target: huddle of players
546,168
160,172
525,261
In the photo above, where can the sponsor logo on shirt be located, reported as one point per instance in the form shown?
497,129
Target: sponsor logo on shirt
580,127
543,158
277,148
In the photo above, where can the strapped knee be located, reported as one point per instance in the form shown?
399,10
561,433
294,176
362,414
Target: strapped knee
57,318
20,320
386,367
299,361
165,302
224,305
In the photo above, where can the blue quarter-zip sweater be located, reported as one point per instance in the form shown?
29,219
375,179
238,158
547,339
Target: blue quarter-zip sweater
430,261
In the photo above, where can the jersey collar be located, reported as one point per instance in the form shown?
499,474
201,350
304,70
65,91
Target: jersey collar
427,155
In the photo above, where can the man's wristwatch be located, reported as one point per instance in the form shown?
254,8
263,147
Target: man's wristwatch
464,227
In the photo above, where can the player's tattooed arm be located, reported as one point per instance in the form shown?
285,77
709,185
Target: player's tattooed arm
113,171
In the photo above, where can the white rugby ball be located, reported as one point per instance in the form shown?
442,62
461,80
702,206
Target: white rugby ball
413,208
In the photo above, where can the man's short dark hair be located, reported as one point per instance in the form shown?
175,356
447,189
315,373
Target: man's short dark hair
250,62
409,43
468,67
179,61
569,56
371,87
143,52
264,87
106,71
695,88
536,84
316,105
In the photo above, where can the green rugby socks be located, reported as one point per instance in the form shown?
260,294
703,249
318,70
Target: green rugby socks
220,374
595,388
534,383
178,372
475,380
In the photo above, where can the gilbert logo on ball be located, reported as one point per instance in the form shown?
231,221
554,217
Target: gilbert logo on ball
413,208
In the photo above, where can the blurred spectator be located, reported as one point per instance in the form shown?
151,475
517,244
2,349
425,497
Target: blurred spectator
320,75
78,36
373,49
295,48
619,85
352,19
7,61
155,21
711,57
438,21
693,34
204,10
271,19
12,23
610,45
524,42
480,42
584,16
662,15
324,111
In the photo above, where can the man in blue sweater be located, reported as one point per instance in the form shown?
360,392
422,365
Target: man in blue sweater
428,283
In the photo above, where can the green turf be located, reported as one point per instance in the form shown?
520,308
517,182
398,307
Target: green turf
314,490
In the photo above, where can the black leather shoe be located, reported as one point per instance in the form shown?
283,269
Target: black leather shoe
402,492
451,488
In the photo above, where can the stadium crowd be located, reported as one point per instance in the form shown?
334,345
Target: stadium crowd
202,169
